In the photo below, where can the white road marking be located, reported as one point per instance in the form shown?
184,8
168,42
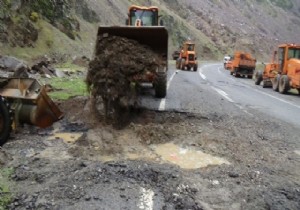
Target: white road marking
224,94
201,72
222,72
146,199
279,99
162,104
202,76
267,94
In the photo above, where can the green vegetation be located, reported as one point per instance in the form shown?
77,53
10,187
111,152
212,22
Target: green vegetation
45,7
285,4
34,16
5,194
66,88
4,8
70,66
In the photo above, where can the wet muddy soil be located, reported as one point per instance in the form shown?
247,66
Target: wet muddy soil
160,160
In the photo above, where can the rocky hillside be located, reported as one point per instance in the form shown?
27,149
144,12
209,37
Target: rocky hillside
30,28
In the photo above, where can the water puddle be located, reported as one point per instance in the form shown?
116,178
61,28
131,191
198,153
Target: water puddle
136,156
54,154
66,137
187,158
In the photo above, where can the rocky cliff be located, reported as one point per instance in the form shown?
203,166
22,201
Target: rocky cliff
29,28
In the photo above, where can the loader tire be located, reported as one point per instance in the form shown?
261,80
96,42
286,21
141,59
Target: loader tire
178,62
5,121
160,85
182,64
195,68
275,83
264,84
258,77
284,84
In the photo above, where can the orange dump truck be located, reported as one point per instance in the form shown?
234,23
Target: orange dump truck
283,73
243,64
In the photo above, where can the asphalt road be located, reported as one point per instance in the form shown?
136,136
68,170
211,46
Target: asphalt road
213,89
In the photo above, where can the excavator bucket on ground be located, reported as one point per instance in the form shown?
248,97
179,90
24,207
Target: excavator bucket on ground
28,102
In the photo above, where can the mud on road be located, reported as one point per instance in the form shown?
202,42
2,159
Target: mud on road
160,160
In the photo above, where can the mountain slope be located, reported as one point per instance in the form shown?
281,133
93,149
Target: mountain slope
29,28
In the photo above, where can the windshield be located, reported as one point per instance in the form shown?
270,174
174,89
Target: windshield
294,53
191,47
147,17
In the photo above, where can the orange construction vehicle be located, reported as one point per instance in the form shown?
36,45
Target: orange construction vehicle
188,57
243,64
283,73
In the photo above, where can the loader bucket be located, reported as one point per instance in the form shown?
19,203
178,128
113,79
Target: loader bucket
156,37
29,101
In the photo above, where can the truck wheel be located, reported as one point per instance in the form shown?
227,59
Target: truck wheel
275,83
178,62
284,84
160,85
258,77
182,64
235,72
5,121
195,68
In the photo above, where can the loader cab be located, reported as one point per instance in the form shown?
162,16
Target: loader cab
293,53
142,16
191,47
188,47
285,53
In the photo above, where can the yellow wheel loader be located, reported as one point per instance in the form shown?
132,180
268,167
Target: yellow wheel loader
128,57
143,26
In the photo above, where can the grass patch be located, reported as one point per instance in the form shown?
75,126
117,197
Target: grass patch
69,66
5,194
67,88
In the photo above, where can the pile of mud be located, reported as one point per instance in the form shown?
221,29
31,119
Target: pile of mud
117,66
